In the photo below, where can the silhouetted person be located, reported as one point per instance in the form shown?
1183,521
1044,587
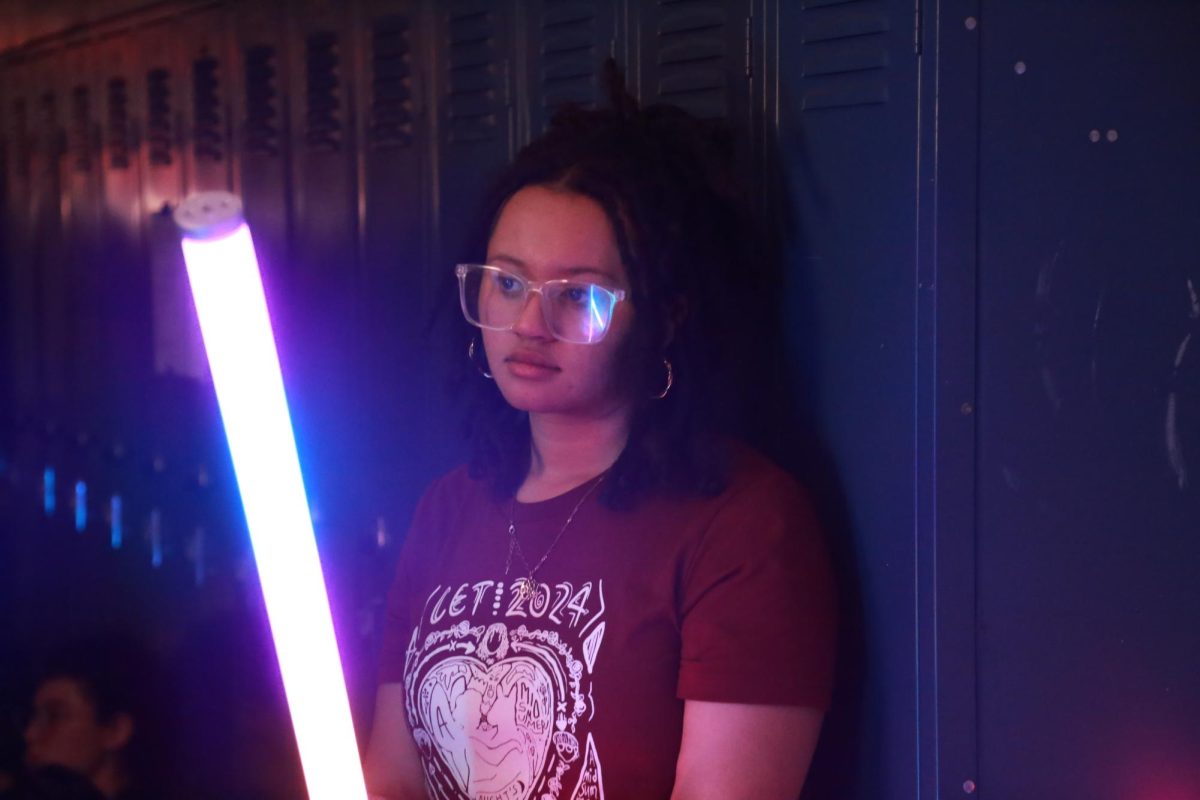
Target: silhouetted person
92,715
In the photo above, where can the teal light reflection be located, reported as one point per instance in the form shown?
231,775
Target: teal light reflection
80,506
116,526
49,501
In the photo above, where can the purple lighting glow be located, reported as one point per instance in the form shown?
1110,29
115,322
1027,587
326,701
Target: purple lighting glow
227,289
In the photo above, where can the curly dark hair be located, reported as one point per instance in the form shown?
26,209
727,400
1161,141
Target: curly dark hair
667,182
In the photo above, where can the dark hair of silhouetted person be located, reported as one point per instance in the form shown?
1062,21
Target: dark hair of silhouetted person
118,675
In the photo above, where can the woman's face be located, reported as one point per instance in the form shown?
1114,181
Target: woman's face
546,234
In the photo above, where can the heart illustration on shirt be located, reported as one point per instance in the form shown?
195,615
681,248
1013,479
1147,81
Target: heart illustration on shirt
490,725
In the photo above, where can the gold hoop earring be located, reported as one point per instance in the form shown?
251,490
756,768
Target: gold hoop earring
471,358
670,381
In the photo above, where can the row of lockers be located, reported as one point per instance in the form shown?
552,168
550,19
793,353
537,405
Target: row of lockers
359,136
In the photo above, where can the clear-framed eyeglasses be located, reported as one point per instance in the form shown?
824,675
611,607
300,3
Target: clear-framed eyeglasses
575,311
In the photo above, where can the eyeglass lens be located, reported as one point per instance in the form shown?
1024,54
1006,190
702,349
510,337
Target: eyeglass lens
575,311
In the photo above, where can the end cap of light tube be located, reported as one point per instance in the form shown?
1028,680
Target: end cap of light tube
209,215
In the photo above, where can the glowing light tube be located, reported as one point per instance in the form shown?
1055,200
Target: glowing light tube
227,289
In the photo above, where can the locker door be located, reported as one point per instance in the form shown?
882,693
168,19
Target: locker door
396,385
259,110
127,297
164,120
211,74
7,353
321,339
181,413
694,54
565,43
81,172
324,174
1089,409
845,127
20,289
52,321
163,117
474,89
476,113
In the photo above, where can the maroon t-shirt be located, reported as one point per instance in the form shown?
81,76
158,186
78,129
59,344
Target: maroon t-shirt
578,690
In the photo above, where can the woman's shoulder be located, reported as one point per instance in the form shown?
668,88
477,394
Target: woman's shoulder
755,476
452,490
761,499
754,488
441,507
456,479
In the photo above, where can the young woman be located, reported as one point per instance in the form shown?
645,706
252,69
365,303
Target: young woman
610,599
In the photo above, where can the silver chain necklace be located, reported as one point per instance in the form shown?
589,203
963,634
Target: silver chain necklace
528,585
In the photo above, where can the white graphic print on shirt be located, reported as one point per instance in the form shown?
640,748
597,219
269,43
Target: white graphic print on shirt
499,691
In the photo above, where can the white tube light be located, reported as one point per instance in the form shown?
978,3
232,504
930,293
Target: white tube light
238,339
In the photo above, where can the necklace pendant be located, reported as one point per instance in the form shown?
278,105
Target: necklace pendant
526,588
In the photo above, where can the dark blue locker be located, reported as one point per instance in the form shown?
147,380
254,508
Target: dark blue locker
318,324
22,386
51,277
694,54
120,109
260,119
564,42
211,72
81,174
844,119
1089,437
399,274
473,77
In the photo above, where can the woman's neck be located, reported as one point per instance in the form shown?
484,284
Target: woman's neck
568,451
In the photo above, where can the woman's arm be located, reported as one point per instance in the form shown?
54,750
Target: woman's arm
392,766
733,750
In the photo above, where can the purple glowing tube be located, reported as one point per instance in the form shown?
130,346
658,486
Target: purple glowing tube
228,292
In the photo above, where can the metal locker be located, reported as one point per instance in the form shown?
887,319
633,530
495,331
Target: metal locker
120,111
319,329
211,73
474,86
845,134
694,54
51,277
395,155
564,43
1089,409
20,324
259,116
